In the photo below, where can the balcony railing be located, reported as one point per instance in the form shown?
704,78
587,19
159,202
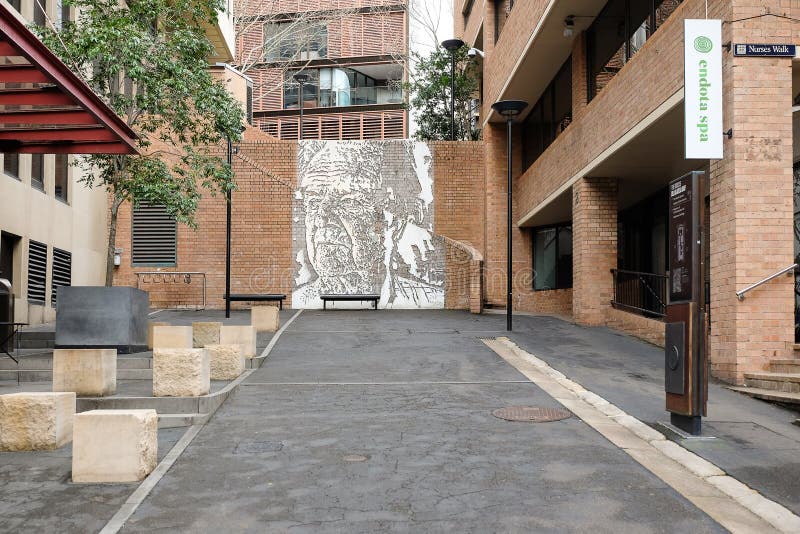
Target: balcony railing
641,293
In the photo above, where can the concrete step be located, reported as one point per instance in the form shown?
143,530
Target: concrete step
768,394
788,365
134,374
46,374
174,420
39,339
785,382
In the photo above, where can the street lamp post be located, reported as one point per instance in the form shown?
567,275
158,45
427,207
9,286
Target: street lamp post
301,78
228,235
452,46
509,109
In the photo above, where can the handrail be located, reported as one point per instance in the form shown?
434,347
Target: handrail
787,270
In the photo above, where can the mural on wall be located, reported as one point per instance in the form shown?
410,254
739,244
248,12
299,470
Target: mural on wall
363,223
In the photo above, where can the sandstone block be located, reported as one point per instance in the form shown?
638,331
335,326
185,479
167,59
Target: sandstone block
227,361
172,337
150,326
265,318
36,421
240,335
87,372
114,445
204,334
181,372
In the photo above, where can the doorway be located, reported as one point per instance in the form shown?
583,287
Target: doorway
7,245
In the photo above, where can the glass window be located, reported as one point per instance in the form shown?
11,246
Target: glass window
11,165
295,40
37,171
61,177
549,117
16,4
552,258
39,17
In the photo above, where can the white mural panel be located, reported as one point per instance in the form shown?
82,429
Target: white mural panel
363,223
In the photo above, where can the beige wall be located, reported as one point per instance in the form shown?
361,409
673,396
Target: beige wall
78,226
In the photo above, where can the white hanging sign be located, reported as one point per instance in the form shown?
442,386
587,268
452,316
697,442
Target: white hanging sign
703,88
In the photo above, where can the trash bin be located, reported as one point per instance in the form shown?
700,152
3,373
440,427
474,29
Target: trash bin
6,315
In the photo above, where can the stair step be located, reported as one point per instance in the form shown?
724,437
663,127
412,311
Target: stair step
46,375
787,365
174,420
768,394
134,374
786,382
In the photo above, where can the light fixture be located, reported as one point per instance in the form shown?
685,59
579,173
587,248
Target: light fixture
569,26
452,46
472,52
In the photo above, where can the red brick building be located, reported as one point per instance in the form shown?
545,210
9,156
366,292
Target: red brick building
355,55
603,136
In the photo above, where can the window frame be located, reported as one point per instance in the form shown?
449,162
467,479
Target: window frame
558,227
14,175
38,180
66,189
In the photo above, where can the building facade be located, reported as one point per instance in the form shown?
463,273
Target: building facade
354,52
600,141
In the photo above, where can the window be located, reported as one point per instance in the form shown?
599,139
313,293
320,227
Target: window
61,275
339,87
16,4
11,165
37,171
618,32
37,272
552,258
502,8
154,239
61,177
295,40
549,117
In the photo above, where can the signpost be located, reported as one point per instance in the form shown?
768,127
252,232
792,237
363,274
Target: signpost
703,88
685,376
764,50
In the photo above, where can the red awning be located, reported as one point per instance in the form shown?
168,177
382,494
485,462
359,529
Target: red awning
45,107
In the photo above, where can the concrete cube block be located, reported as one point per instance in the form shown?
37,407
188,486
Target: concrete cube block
240,335
172,337
36,421
150,326
114,445
265,318
87,372
227,361
181,372
204,334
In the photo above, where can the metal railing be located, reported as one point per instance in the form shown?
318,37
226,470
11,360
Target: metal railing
788,270
170,277
640,293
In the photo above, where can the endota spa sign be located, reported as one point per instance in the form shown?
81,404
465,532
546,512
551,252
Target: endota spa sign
703,88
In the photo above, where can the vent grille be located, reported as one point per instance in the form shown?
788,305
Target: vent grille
154,240
37,272
62,272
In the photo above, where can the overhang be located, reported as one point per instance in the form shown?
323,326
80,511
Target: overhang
545,51
45,107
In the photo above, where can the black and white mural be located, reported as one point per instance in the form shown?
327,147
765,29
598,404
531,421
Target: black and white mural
363,223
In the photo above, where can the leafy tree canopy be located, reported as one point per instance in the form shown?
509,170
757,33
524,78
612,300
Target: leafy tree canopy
148,60
430,95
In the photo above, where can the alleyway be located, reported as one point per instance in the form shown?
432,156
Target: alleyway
381,421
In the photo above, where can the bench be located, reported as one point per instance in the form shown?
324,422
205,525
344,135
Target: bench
349,298
259,298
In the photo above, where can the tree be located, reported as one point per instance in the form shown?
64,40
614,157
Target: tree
147,59
430,96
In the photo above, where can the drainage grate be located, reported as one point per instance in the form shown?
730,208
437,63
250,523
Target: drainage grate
258,447
531,414
355,458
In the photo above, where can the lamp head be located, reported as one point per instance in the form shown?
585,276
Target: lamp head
509,108
451,45
300,77
569,26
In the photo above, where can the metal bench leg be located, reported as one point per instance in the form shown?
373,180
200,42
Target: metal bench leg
324,305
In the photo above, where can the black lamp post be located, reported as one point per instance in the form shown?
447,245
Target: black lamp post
452,46
228,235
509,109
301,78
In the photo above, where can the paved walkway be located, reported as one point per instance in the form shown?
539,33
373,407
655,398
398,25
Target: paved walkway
381,421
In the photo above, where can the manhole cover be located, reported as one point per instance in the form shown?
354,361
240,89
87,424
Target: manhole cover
531,414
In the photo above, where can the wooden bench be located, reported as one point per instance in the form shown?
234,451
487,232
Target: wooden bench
259,298
349,298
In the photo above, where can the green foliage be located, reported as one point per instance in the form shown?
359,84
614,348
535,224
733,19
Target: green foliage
430,96
148,60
